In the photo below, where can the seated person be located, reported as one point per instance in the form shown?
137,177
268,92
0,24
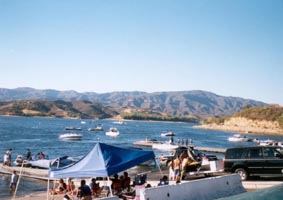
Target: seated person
116,185
163,181
61,189
71,188
40,155
126,182
95,187
84,192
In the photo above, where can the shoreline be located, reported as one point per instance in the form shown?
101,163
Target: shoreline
241,129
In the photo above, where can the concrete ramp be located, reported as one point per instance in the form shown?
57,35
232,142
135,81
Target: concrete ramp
203,189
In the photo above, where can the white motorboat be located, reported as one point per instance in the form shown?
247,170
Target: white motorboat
119,122
239,138
165,146
98,127
113,132
267,142
73,128
167,133
46,163
70,136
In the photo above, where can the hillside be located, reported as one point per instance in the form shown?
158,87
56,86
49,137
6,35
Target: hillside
61,109
265,120
197,104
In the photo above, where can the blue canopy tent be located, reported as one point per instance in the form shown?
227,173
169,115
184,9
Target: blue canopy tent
103,161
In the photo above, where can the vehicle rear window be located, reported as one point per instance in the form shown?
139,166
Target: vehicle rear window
234,153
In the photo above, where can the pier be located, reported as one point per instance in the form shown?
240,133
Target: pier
213,150
148,143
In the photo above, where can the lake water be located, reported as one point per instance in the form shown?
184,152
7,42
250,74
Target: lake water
41,134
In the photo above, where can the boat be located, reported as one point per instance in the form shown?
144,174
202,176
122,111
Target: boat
147,142
167,133
239,138
70,136
267,142
113,132
119,122
73,128
98,127
165,146
45,163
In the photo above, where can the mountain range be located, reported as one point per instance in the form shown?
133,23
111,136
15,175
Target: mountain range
196,103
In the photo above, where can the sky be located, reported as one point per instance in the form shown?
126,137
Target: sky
228,47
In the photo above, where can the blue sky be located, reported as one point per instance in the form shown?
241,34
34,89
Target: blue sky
231,48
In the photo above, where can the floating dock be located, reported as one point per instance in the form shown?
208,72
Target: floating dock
41,174
148,143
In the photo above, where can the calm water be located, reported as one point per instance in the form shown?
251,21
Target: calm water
41,134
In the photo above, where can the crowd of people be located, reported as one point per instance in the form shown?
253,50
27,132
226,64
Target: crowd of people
93,189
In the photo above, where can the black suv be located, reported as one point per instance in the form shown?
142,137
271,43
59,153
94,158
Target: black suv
254,161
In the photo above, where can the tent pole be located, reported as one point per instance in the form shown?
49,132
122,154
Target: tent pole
110,186
158,167
48,182
18,181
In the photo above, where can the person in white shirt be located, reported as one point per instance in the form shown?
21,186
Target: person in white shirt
14,180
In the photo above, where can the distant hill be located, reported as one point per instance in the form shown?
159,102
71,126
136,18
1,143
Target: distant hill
265,120
198,104
59,108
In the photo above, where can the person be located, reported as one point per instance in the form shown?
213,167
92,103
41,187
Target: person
71,188
14,180
187,141
171,170
6,159
171,141
19,160
116,184
40,155
95,187
28,154
10,154
62,187
163,181
184,164
84,191
176,167
126,182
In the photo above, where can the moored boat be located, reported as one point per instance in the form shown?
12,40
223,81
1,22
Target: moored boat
165,146
69,128
119,122
167,133
98,127
147,142
70,136
113,132
239,138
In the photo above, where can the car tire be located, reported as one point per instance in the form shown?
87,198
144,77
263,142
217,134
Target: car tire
243,173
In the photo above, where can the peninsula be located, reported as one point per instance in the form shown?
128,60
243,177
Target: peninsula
266,120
